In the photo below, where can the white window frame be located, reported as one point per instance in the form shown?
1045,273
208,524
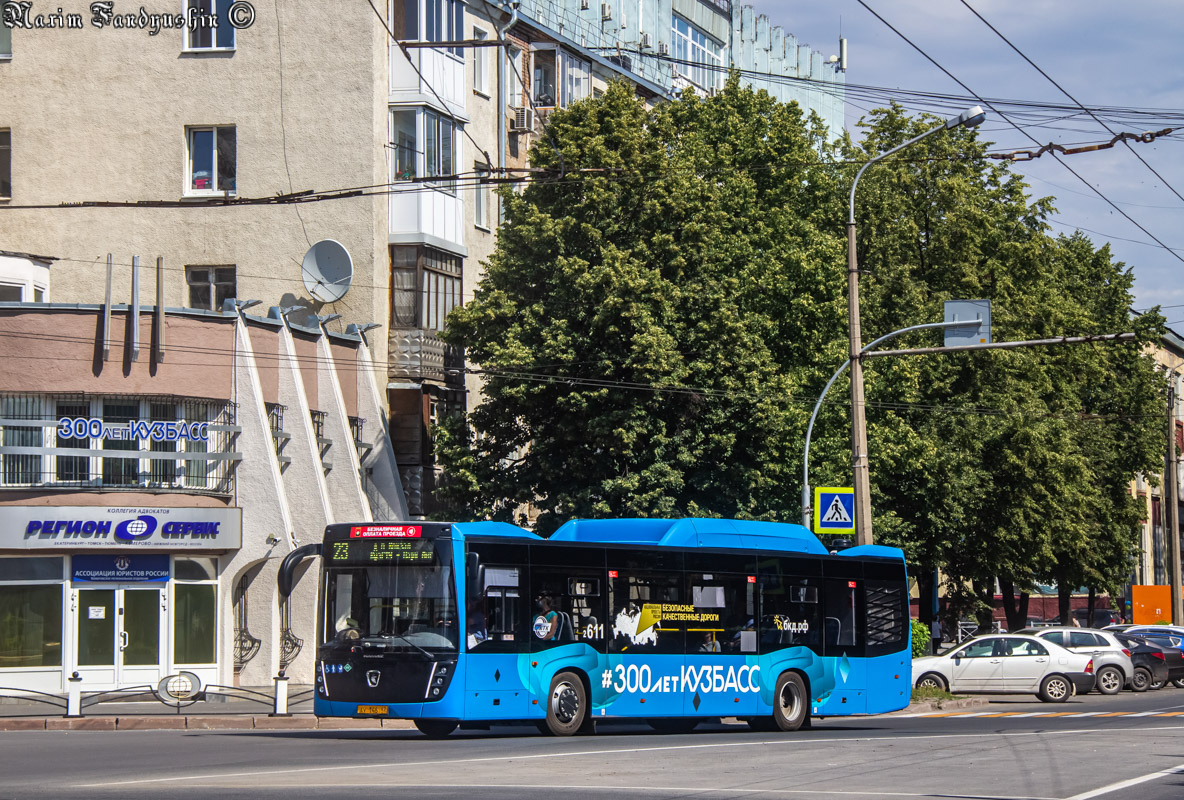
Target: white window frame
219,10
573,76
189,191
188,474
435,147
691,43
481,64
481,197
451,15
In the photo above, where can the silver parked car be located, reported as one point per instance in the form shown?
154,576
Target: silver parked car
1008,664
1112,661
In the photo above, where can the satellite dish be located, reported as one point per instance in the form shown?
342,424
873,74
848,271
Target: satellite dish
327,271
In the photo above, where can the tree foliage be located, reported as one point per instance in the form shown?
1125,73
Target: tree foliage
660,315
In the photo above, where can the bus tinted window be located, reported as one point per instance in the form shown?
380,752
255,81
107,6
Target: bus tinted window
567,607
639,601
842,629
722,614
791,613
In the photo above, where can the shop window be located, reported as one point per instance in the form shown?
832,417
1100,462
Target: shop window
212,160
209,25
210,287
31,612
194,618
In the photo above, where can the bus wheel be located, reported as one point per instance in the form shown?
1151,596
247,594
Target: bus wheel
789,704
673,724
435,728
567,704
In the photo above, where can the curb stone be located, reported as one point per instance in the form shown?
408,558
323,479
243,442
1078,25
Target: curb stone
957,704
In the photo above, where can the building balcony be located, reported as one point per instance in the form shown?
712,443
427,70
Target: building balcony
420,356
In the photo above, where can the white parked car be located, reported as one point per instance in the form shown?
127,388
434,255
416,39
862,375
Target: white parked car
1112,661
1008,664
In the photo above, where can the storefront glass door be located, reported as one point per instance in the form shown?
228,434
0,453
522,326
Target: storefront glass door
119,637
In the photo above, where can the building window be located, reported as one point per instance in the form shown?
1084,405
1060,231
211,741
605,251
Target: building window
88,441
559,78
212,160
403,145
480,64
208,26
441,287
5,41
425,286
444,22
481,197
31,612
210,287
704,53
5,158
10,293
20,469
439,148
195,610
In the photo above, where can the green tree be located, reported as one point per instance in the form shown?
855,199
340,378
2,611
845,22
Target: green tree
654,324
1009,465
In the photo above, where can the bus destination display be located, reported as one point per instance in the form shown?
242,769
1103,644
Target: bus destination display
382,551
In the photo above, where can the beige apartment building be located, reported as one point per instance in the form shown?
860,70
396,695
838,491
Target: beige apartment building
226,138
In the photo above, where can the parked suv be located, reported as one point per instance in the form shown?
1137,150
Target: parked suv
1112,662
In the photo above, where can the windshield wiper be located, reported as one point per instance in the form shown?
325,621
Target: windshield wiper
427,653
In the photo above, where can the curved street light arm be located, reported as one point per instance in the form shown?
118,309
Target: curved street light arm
833,378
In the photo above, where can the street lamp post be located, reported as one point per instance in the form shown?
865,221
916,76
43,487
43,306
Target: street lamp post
863,502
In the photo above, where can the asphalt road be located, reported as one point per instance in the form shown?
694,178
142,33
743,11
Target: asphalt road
1124,747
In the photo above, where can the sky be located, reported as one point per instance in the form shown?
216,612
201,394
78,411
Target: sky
1103,53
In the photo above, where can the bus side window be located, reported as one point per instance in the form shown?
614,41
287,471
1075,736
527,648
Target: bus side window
790,613
636,601
842,621
495,612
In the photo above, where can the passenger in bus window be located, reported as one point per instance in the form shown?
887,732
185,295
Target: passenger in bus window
709,645
547,612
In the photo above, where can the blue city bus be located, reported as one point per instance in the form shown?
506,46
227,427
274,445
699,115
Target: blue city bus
667,621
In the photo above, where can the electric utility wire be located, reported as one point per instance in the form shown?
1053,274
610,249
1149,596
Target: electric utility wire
1065,92
1092,188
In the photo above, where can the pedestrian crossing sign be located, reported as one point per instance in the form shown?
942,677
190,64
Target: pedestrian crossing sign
834,509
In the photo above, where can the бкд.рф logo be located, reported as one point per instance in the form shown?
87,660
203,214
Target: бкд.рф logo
135,529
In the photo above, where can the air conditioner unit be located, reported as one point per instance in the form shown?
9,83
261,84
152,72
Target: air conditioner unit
606,11
523,119
663,49
645,41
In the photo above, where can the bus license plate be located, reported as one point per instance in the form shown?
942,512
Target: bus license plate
374,709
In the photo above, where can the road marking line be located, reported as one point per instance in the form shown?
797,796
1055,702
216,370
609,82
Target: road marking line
1142,713
1169,714
1114,787
795,742
583,787
974,714
1086,714
1123,714
1004,714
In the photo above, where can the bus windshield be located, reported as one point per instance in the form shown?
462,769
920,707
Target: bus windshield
400,605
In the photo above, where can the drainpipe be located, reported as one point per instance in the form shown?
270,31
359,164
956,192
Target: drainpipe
503,52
